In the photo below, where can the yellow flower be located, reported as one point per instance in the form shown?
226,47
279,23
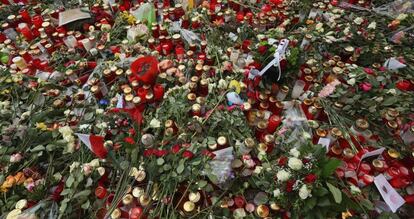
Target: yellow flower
235,85
19,178
346,214
42,126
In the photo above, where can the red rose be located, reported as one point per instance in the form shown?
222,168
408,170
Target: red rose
403,85
369,71
239,201
310,178
131,131
188,154
282,161
175,149
365,86
208,154
305,161
262,49
129,140
289,185
149,152
160,153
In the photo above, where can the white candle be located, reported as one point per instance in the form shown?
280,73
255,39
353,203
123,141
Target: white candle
298,89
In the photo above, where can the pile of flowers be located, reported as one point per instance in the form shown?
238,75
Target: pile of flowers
236,109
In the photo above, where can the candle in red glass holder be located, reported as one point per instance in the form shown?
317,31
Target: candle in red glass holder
25,30
158,91
25,15
273,122
399,182
261,129
142,92
144,70
364,168
391,173
365,180
37,21
100,192
179,52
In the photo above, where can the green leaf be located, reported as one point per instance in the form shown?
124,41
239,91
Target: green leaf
330,167
38,148
389,101
86,205
70,181
320,191
324,202
337,194
202,183
180,168
368,204
82,193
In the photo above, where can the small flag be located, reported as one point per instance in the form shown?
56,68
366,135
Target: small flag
95,143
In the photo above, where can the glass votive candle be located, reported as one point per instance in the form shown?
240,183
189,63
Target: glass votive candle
298,88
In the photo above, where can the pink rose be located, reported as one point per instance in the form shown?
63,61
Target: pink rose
365,86
369,71
15,158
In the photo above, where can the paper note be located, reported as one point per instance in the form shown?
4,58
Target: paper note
325,142
72,15
373,153
388,193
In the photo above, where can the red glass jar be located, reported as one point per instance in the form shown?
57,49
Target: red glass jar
273,122
100,192
391,173
400,182
158,91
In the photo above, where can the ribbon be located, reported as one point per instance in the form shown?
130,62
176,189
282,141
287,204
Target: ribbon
280,52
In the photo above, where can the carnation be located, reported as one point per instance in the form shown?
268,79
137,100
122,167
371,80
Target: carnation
304,192
276,193
295,163
282,175
294,152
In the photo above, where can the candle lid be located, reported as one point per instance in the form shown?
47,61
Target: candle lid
149,96
269,139
348,153
393,153
392,124
249,142
194,197
127,199
336,132
137,192
191,96
262,211
129,97
221,140
393,112
144,200
189,206
262,147
247,106
377,163
136,100
196,107
362,124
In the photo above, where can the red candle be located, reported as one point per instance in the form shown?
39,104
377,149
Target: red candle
25,15
399,182
365,180
25,30
158,91
391,173
364,168
142,92
274,122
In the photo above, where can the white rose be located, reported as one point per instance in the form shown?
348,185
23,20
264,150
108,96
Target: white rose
94,163
358,20
222,84
294,152
258,169
99,111
295,164
351,81
402,17
73,166
282,175
372,25
392,91
276,193
155,123
304,192
65,130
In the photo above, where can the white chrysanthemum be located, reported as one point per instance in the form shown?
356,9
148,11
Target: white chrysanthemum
295,163
402,17
222,84
276,192
372,25
304,192
294,152
351,81
65,131
155,123
358,20
283,175
99,111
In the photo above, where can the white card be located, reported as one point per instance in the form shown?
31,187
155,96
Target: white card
373,153
325,142
72,15
388,193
